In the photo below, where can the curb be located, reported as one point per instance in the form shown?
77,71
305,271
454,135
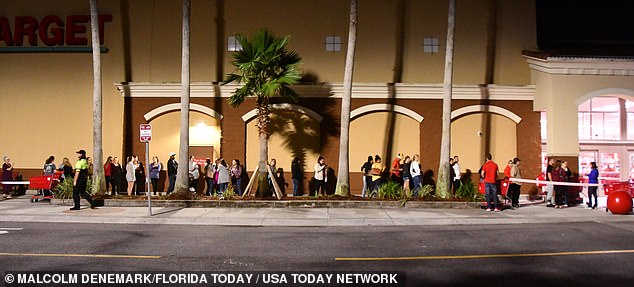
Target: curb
370,204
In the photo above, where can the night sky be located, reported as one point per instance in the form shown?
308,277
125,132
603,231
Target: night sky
601,27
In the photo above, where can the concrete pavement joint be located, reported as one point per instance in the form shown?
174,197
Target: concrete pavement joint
485,256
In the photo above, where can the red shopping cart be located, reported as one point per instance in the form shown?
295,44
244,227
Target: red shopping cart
42,183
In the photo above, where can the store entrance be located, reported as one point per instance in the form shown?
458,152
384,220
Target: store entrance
613,161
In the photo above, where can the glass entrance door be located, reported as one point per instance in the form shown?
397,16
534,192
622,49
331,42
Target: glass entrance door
609,164
585,158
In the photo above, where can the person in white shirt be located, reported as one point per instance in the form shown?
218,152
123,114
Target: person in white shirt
414,170
321,176
194,174
456,169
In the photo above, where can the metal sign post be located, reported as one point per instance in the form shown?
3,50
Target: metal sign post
146,137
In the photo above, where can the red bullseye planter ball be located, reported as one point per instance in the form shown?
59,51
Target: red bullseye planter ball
620,202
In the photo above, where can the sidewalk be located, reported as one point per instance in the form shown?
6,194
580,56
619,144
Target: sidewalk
20,209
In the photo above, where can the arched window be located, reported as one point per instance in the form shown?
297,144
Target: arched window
600,118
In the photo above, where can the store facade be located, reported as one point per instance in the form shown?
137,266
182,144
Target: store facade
500,93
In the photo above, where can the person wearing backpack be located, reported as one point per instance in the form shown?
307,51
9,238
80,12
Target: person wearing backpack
49,170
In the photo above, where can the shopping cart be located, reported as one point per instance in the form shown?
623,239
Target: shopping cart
503,187
43,183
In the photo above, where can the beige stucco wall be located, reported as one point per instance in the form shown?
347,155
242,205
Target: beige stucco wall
469,137
560,96
515,32
54,90
46,98
369,136
292,135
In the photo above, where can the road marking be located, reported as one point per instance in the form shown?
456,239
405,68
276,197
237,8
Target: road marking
11,228
4,232
484,256
82,255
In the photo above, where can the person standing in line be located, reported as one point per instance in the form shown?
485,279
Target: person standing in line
296,175
91,167
593,177
456,170
223,177
507,169
562,174
107,171
155,173
7,174
139,173
80,181
116,176
366,168
549,186
514,187
273,164
452,175
377,173
172,168
414,169
194,174
558,175
397,170
210,170
130,175
407,175
66,168
49,166
236,176
321,176
490,173
216,186
49,170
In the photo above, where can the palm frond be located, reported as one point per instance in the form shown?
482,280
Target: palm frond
239,96
265,67
289,94
230,78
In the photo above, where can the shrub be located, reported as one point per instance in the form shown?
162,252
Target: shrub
64,190
426,191
468,191
230,193
390,190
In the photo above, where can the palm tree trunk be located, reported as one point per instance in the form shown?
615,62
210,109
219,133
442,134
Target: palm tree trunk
264,111
182,175
443,186
98,183
343,177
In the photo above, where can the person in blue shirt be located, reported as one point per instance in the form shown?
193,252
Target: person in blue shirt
593,177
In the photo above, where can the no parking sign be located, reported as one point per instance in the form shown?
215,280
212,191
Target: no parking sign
145,132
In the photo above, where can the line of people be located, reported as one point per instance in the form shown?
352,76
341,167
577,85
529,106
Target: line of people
404,170
558,171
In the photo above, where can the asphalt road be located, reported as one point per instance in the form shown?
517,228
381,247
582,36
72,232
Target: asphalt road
474,255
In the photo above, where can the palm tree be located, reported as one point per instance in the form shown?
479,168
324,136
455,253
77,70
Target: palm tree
443,185
98,183
266,69
343,178
182,175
